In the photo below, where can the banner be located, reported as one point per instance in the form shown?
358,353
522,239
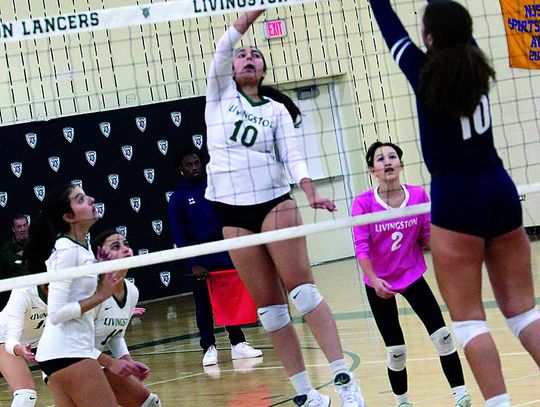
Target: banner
522,24
128,16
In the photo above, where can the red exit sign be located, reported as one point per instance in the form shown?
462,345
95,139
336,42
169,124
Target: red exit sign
274,29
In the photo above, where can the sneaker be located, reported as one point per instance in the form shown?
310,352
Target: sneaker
465,401
244,351
312,399
348,391
405,404
210,356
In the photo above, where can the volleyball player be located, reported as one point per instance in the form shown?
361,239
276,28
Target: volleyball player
245,122
21,324
391,258
66,352
476,214
112,318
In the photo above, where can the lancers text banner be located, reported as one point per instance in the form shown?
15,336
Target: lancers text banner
129,16
522,24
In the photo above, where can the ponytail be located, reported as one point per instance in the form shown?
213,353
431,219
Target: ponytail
454,79
46,227
285,100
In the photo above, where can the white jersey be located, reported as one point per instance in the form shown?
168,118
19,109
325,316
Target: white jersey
68,333
112,319
243,138
23,318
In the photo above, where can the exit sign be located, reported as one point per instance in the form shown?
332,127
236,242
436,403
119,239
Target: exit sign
274,29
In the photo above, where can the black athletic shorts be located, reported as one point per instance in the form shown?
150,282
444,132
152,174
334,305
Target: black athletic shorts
250,217
485,205
54,365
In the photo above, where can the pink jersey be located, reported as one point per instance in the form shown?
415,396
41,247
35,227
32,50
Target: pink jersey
393,246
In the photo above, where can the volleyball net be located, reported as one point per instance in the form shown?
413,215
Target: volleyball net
79,58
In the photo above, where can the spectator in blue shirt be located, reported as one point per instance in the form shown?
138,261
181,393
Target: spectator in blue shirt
193,221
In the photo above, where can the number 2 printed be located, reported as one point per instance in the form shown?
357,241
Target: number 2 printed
396,237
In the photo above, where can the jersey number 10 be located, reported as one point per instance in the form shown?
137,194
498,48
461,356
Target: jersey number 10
481,120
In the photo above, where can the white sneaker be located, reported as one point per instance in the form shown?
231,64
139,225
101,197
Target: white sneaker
244,351
312,399
465,401
210,356
348,391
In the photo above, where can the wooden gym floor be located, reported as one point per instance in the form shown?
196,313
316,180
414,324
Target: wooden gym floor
165,338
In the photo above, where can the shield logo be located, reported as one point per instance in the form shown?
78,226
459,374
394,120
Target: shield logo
114,180
39,190
3,199
197,140
168,195
54,163
122,230
91,157
163,146
31,139
16,168
105,128
131,280
28,219
142,251
157,225
76,182
69,133
135,203
176,118
149,174
141,123
127,150
165,277
100,208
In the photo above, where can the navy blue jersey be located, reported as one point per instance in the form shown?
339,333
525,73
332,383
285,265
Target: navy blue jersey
193,220
448,145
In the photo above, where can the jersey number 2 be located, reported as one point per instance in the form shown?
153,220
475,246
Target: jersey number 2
396,237
481,120
249,134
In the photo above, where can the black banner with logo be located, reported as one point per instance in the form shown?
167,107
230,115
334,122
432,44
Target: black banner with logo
123,158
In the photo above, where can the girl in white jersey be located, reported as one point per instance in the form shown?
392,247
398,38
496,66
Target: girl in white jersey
112,318
66,352
21,324
249,184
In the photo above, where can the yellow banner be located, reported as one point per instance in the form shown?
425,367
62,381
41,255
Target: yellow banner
522,24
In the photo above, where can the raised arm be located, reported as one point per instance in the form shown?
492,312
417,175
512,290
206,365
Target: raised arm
220,75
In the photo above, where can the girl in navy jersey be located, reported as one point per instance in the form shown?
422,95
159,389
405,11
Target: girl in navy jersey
391,258
476,213
245,123
66,352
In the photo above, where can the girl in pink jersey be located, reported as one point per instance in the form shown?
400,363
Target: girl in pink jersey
391,258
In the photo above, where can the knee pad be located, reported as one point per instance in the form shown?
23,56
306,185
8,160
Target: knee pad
397,357
274,317
305,298
152,401
522,321
464,331
442,339
24,398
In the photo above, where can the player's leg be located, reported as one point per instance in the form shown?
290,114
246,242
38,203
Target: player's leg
385,313
458,259
205,322
508,259
18,376
291,260
82,383
424,303
130,392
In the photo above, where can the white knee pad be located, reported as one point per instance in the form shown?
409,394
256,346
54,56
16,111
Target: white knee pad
305,298
522,321
442,339
24,398
464,331
152,401
274,317
397,357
